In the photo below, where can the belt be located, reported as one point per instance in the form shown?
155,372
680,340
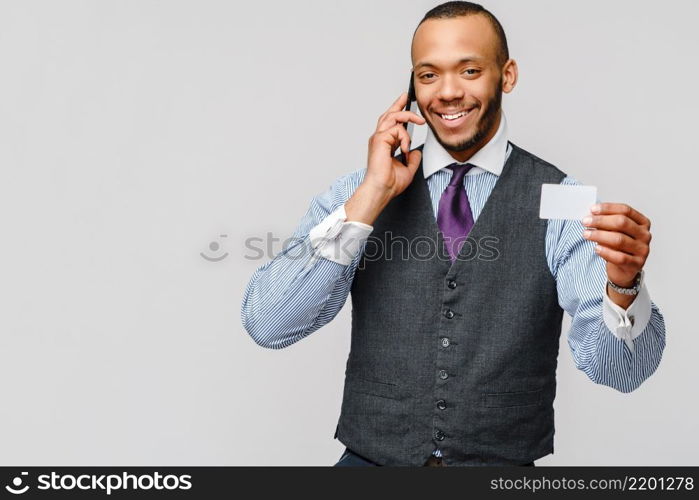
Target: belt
435,462
438,462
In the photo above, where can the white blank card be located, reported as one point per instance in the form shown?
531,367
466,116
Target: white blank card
566,202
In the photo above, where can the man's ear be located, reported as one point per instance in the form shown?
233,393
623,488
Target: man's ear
509,75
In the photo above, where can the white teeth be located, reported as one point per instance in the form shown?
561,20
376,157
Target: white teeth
454,117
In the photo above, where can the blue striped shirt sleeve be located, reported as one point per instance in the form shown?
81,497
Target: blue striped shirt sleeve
581,278
296,293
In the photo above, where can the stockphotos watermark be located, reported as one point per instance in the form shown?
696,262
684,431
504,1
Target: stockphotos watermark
384,247
106,483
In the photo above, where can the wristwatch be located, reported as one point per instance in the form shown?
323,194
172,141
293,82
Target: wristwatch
628,291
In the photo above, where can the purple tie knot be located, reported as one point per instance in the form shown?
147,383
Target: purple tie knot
460,170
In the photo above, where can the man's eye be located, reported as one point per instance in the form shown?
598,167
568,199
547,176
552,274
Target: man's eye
427,74
471,71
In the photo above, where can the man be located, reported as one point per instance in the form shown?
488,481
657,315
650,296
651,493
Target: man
453,353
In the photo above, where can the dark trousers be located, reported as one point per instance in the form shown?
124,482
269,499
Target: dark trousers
351,459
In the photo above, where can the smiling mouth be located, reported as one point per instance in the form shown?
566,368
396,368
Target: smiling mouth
454,119
454,116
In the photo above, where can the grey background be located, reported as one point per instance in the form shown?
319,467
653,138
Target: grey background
134,133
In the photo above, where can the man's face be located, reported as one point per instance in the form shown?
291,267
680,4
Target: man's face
457,72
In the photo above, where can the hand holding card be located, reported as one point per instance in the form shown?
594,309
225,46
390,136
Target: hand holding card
623,239
622,233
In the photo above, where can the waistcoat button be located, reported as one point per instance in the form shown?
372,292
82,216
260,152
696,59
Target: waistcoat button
445,342
439,435
441,404
449,313
451,284
443,374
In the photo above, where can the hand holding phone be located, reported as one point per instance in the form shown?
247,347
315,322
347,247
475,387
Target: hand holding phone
388,174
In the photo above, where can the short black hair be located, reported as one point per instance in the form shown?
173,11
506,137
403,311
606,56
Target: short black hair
458,9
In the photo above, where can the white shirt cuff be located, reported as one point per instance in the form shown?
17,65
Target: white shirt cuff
338,239
627,324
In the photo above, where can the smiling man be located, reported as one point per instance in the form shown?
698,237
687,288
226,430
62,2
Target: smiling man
471,56
454,351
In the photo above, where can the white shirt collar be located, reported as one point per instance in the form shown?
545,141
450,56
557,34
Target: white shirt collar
490,157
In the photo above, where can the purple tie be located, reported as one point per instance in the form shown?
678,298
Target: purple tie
454,216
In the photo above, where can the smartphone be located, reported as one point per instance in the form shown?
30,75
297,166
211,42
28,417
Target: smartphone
410,106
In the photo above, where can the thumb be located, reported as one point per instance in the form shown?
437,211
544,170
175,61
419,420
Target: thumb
414,161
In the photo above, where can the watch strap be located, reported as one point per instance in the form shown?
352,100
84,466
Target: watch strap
628,291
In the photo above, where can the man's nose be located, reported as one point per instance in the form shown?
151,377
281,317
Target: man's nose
450,88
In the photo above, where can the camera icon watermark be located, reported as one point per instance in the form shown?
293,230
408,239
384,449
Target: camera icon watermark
17,488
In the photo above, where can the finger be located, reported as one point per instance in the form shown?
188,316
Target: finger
404,140
617,241
392,119
618,258
395,136
399,103
616,222
623,209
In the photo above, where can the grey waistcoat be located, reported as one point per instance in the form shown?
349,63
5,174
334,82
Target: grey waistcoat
458,356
